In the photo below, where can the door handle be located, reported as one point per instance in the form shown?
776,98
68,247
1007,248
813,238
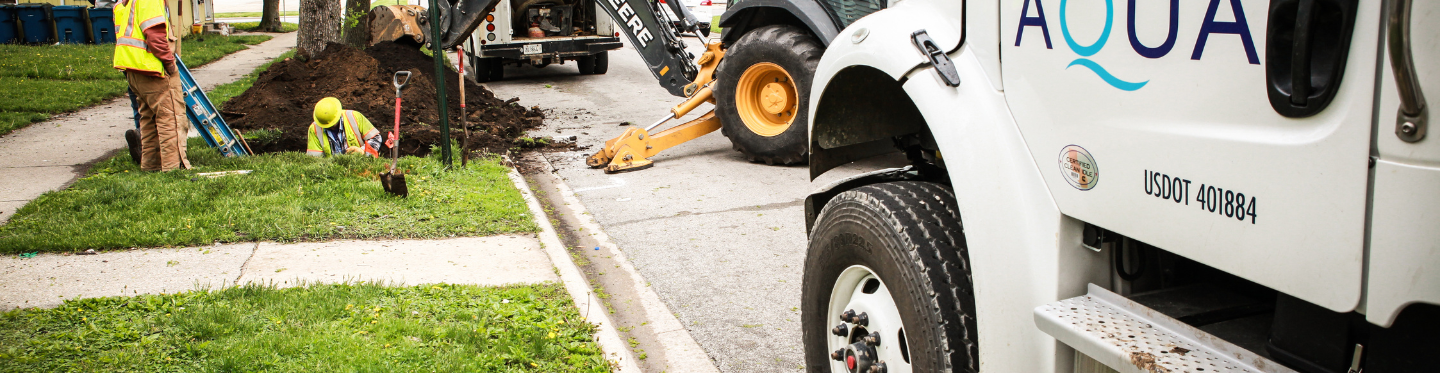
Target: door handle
1308,42
1410,121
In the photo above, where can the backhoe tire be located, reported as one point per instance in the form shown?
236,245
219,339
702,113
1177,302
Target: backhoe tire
908,236
761,89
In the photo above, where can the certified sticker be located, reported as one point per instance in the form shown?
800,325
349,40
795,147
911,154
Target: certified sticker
1079,167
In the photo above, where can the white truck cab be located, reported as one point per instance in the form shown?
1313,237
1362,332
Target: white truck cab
1021,240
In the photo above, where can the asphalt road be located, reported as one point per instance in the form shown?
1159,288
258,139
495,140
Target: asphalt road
720,239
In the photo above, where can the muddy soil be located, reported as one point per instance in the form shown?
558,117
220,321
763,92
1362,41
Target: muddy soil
284,96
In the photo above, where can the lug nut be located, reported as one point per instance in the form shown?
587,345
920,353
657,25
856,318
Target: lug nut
850,317
840,330
873,339
878,367
838,355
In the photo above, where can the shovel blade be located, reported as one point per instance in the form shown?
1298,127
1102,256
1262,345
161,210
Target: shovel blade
394,184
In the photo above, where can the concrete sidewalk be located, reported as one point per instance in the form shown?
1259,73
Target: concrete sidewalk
50,279
50,155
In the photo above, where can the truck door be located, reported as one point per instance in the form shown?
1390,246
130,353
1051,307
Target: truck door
1180,124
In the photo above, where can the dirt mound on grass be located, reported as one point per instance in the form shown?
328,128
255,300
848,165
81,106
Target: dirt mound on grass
283,98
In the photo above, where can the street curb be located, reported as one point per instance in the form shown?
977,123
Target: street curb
590,306
682,353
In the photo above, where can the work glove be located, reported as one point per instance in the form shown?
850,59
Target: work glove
170,69
390,140
353,150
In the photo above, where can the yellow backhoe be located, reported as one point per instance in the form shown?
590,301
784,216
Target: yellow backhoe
756,75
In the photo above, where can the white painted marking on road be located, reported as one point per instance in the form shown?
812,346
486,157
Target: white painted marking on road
615,182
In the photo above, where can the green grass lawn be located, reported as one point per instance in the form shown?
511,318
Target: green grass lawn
320,328
51,79
251,26
289,197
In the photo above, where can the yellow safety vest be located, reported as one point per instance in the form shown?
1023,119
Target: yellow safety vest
131,19
320,143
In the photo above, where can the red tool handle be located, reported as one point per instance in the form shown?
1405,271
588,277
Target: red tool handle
392,142
460,55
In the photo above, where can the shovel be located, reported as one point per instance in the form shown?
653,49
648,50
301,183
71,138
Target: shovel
394,182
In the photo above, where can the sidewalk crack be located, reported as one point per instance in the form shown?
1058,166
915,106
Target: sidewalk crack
247,263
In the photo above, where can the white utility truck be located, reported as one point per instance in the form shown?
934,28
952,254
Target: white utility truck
1018,240
577,30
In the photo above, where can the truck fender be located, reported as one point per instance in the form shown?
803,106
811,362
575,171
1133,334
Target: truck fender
817,199
861,104
747,15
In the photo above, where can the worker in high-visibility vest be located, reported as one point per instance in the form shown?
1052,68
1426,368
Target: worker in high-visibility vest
339,131
145,49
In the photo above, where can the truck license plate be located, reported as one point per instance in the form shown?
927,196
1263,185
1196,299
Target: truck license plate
530,48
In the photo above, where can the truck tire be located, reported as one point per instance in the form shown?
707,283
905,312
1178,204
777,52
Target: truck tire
761,88
496,69
594,64
602,63
586,64
890,251
480,69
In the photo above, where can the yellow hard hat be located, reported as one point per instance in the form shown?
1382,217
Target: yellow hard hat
327,112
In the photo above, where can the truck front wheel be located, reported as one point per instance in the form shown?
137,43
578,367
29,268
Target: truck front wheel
886,282
761,89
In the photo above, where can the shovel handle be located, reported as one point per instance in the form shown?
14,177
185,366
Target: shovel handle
399,84
395,136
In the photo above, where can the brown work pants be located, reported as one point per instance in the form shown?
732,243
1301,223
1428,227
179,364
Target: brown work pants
163,125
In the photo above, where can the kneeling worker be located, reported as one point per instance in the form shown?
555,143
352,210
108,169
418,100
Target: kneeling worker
353,135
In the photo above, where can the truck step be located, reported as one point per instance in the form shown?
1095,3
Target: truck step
1129,337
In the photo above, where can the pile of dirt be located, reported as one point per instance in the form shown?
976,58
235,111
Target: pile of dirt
283,98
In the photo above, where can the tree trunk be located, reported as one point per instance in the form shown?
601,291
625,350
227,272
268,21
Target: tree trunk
270,16
357,25
319,25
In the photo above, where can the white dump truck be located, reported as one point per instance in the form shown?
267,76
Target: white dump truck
1018,239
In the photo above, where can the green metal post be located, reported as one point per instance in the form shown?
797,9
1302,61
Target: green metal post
440,82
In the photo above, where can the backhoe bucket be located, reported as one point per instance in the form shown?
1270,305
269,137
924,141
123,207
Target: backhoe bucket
397,22
633,149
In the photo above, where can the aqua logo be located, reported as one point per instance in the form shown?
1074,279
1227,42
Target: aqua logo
1208,26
